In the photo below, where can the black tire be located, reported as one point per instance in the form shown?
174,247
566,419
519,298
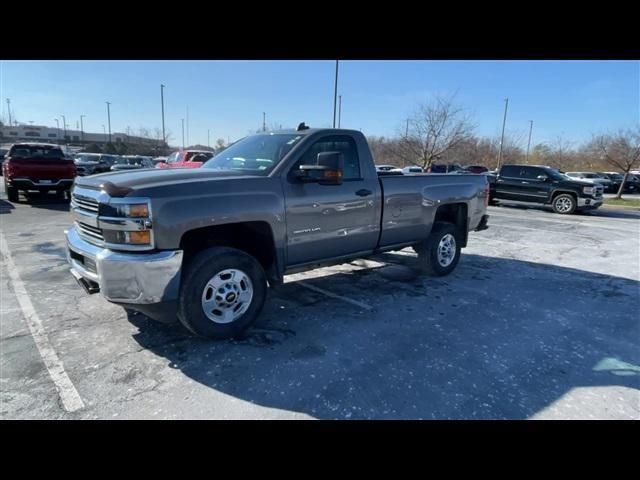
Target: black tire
428,250
202,268
12,193
564,204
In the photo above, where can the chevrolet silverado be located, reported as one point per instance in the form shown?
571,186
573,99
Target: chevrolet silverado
202,245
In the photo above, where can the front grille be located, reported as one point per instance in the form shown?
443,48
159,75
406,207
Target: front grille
85,203
89,231
88,263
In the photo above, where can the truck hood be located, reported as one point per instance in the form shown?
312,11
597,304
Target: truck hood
127,181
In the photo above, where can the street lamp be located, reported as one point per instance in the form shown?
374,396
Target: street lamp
64,126
58,124
109,119
82,128
104,132
335,95
162,87
504,121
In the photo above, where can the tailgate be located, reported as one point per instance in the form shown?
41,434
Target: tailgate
43,169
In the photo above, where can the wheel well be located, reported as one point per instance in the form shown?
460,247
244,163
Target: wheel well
455,213
560,192
254,238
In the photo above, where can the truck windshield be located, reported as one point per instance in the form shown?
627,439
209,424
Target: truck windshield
257,154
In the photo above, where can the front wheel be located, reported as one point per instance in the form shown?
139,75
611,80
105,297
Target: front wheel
222,293
439,254
564,204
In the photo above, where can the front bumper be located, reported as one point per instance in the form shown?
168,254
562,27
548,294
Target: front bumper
589,202
124,278
28,184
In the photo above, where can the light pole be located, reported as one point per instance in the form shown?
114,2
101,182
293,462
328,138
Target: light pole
504,121
162,87
109,119
82,128
406,132
208,138
182,133
335,95
58,124
339,109
264,122
529,142
64,126
9,110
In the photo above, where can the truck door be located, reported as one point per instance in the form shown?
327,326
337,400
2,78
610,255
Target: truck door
509,183
327,221
534,189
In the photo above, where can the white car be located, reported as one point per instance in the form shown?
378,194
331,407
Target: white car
412,169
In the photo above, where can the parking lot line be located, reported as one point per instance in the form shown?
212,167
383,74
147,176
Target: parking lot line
334,295
68,394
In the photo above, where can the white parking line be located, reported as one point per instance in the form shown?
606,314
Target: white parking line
68,394
333,295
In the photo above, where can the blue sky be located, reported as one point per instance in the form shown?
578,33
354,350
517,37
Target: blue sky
568,98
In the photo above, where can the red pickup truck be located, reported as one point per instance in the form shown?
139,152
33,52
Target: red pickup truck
186,159
35,166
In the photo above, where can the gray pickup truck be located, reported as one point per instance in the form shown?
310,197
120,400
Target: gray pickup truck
202,245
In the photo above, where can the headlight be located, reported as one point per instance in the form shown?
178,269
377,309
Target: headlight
588,190
133,210
139,237
127,223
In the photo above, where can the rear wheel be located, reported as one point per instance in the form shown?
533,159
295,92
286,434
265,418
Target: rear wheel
564,204
222,293
439,254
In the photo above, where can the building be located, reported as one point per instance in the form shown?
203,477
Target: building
41,133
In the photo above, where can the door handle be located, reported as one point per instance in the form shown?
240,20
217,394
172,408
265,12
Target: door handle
363,192
526,182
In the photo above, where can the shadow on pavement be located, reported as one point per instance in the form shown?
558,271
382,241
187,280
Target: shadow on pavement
604,212
6,207
498,338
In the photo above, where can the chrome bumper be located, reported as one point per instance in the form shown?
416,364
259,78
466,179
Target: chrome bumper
589,202
139,278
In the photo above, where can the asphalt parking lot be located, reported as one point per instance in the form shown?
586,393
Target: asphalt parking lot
541,319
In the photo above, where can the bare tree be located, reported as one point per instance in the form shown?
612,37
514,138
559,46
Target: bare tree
620,150
434,129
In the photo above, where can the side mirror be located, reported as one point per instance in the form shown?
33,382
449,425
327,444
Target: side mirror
327,170
542,178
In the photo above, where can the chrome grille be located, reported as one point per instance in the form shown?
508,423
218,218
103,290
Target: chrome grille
89,231
85,203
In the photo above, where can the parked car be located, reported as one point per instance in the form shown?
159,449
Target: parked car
386,168
631,185
203,244
442,168
36,166
593,177
476,169
186,159
412,169
544,185
132,162
92,163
